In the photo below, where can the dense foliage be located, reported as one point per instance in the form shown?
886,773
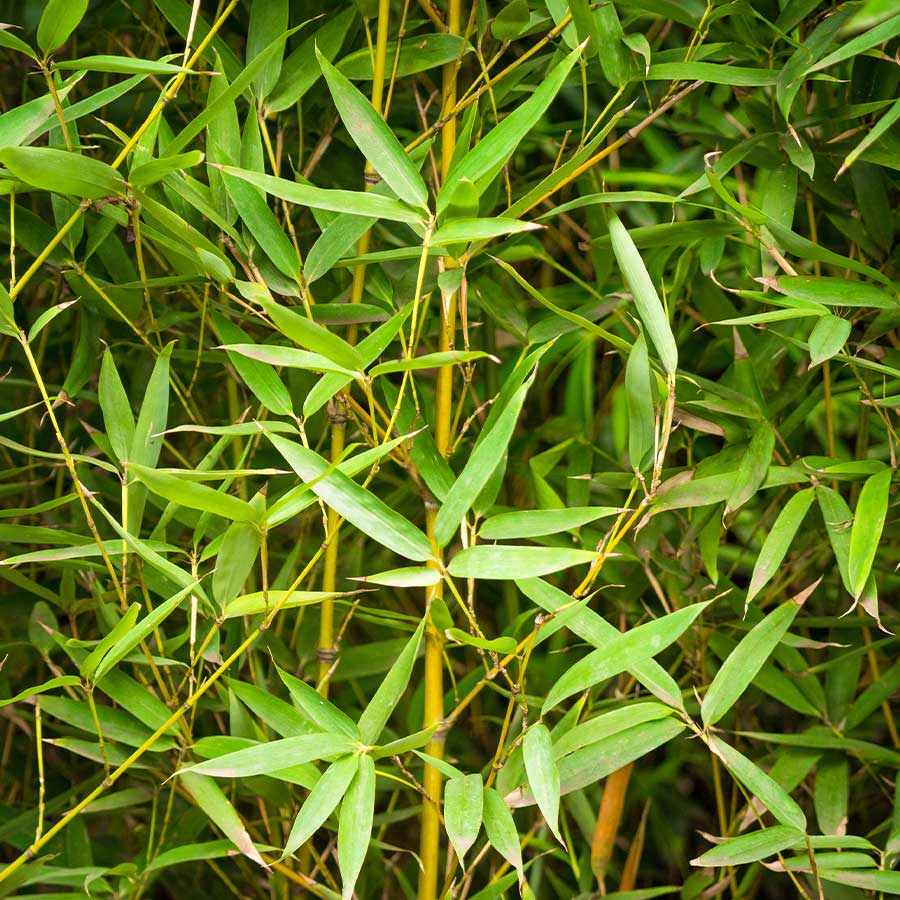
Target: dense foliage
447,448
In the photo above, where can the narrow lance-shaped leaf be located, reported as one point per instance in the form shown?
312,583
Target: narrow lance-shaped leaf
262,380
543,776
262,224
360,507
868,524
758,783
649,307
234,562
753,467
376,714
122,627
322,713
478,469
268,21
321,802
498,561
751,847
778,541
355,824
358,203
827,338
197,496
463,803
622,651
116,409
376,141
63,172
745,661
132,637
501,830
59,19
837,517
304,331
539,522
484,161
594,629
261,759
639,396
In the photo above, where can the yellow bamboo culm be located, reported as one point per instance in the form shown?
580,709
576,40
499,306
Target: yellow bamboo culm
430,841
337,413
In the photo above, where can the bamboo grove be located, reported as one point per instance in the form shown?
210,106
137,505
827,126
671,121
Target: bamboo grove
448,447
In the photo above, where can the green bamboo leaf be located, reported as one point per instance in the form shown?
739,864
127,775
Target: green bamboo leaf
594,629
832,793
234,561
122,627
25,123
128,641
384,702
828,337
191,494
647,301
7,315
268,22
376,141
778,541
409,576
606,725
498,561
321,802
240,78
58,20
115,724
761,785
121,65
427,51
543,776
262,602
621,651
641,415
485,160
868,524
501,830
262,380
261,759
482,463
358,506
355,825
748,658
62,172
467,230
154,412
539,522
59,681
463,804
212,801
304,331
116,408
156,169
837,517
753,468
300,71
261,223
429,361
752,847
290,357
14,43
832,291
503,645
46,317
323,714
